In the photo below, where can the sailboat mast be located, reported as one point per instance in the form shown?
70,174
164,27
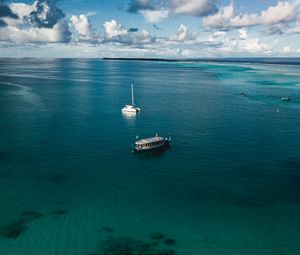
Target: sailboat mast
132,97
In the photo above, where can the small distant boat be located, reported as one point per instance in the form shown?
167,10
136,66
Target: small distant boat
285,99
242,94
152,143
131,109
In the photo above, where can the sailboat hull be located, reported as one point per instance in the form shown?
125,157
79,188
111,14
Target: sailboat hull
129,110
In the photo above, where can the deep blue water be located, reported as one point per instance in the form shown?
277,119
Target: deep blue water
70,184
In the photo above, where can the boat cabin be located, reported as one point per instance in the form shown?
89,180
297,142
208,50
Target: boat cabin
151,143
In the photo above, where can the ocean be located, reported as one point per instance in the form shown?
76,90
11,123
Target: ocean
71,184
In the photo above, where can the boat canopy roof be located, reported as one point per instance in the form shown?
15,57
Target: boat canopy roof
150,140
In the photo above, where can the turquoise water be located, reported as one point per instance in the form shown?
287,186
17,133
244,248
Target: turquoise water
70,184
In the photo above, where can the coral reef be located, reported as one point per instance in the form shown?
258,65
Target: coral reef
19,226
14,229
169,241
130,246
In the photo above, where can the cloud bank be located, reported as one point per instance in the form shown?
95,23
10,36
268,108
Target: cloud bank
156,11
223,30
41,22
198,8
116,33
274,18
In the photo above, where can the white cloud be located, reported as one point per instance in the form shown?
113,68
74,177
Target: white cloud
154,16
158,10
22,9
182,34
141,37
194,7
243,34
115,32
35,35
254,45
243,43
225,18
37,23
286,49
83,27
218,37
114,29
220,19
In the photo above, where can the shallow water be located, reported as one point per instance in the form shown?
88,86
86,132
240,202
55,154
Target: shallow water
70,184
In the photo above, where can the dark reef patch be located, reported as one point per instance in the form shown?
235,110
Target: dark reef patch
130,246
19,226
157,236
58,213
169,241
31,214
14,229
107,229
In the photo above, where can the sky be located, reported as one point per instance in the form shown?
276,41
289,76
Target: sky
149,28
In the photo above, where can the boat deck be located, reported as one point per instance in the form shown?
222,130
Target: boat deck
150,140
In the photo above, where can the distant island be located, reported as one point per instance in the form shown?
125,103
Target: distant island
149,59
259,60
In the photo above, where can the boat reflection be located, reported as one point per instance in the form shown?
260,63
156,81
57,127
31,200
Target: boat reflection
129,115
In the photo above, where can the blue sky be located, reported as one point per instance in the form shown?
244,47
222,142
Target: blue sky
150,28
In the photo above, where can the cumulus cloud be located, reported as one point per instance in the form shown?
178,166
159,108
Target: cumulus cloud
22,9
183,34
194,7
40,22
254,45
6,12
219,37
83,28
45,14
114,29
222,42
115,32
158,10
33,35
226,18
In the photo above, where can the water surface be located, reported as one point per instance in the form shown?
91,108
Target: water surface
70,184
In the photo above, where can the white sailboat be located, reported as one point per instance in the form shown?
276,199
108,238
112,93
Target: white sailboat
131,109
